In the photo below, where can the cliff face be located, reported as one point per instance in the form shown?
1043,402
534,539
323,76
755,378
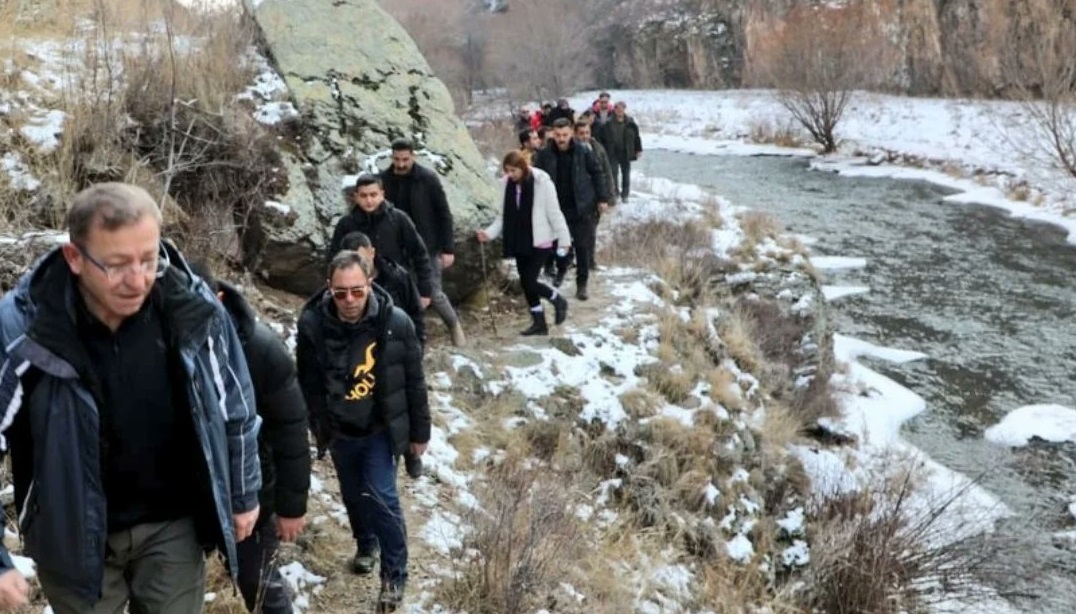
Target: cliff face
934,47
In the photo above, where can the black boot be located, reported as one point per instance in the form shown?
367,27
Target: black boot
538,326
560,304
581,291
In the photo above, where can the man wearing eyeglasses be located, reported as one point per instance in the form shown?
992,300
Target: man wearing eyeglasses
128,414
360,370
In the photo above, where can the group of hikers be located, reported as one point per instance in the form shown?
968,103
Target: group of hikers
151,418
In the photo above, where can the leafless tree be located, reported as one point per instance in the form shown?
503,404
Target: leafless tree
1039,69
545,49
815,58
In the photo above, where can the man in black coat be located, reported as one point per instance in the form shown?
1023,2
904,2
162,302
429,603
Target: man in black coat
360,370
417,191
282,445
583,193
391,231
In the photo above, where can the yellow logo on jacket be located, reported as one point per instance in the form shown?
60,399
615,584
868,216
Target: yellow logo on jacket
363,376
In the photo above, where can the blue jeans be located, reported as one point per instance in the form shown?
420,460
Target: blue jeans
366,469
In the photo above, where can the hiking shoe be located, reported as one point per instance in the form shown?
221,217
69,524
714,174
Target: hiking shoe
364,562
581,292
390,598
413,464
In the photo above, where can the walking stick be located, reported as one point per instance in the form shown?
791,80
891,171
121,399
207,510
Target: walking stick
485,284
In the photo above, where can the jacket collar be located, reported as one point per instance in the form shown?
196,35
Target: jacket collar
47,295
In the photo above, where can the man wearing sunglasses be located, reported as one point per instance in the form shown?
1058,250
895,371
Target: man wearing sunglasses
128,414
360,370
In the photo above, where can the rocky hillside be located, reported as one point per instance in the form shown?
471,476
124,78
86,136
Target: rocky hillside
249,127
938,47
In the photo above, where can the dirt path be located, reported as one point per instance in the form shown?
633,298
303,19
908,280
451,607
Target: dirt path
327,547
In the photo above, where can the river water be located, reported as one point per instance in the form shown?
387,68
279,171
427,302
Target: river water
989,298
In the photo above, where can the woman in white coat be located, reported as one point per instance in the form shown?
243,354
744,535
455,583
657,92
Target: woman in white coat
530,221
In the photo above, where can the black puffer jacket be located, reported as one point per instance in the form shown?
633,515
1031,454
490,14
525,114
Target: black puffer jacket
427,205
393,235
402,404
589,184
401,287
282,444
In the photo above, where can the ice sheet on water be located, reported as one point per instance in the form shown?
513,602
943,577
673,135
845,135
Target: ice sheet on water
1048,422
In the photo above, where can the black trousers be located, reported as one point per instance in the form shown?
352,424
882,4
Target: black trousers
260,581
583,232
622,175
529,267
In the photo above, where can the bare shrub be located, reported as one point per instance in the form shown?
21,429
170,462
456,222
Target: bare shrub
523,541
815,57
1038,68
158,108
881,550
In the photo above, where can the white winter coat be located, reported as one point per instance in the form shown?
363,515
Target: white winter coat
547,221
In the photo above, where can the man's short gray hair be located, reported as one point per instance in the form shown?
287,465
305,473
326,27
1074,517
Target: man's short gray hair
109,206
345,259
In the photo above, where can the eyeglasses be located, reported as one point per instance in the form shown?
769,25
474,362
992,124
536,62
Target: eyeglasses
154,267
355,291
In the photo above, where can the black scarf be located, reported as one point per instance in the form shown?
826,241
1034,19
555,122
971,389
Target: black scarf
518,222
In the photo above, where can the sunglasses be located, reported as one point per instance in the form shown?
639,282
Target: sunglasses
355,291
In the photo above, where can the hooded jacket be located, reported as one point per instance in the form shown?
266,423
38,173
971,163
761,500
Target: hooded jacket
401,404
393,235
51,420
283,446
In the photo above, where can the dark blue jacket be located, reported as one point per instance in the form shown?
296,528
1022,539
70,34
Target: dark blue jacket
51,426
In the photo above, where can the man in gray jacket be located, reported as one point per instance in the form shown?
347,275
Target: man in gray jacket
129,415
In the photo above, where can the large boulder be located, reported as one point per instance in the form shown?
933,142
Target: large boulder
359,82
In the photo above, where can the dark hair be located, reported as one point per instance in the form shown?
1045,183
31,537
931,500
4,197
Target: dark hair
355,240
542,131
525,135
518,160
109,206
365,179
345,259
581,123
604,95
562,122
202,269
547,105
403,145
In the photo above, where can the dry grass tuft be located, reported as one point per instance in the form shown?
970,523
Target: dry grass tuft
759,225
737,330
768,131
679,253
882,551
523,543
